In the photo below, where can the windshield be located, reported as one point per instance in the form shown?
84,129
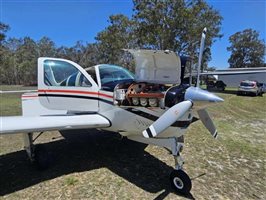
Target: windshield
247,84
111,75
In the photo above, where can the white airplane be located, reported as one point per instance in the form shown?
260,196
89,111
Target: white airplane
108,97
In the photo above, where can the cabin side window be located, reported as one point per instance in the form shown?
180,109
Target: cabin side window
61,73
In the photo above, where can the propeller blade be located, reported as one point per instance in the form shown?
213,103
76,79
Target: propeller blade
167,119
207,121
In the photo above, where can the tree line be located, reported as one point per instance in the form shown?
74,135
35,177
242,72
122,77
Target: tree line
159,24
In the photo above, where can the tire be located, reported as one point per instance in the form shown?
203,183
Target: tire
180,181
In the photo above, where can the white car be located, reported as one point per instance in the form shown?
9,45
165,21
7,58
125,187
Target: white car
250,88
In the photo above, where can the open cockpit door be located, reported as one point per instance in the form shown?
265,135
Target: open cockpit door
64,85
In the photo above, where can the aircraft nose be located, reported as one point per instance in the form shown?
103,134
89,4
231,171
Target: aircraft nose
198,95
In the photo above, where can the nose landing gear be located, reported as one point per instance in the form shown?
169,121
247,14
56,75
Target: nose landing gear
180,181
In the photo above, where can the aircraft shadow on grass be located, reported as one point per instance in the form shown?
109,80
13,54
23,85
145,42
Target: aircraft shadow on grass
84,151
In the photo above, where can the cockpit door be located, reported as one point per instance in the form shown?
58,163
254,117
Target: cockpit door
64,85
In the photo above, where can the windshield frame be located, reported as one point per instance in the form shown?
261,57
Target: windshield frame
247,84
112,78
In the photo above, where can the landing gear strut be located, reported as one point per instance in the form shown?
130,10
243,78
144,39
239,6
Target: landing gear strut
179,179
37,153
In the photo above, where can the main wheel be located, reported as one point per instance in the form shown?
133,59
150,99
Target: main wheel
180,181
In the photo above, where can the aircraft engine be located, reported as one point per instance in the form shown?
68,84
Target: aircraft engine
175,95
140,94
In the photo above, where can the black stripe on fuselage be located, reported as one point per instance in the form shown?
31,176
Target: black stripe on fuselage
76,96
142,114
180,124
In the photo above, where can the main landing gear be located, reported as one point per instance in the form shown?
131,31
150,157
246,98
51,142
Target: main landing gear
37,154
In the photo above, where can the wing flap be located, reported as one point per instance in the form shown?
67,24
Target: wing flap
22,124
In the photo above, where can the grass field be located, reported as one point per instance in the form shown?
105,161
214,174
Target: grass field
99,165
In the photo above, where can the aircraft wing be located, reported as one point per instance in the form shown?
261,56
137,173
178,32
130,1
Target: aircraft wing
24,124
16,91
233,72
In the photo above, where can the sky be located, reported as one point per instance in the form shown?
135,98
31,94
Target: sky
67,21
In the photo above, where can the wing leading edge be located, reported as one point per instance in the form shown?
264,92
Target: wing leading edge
22,124
233,72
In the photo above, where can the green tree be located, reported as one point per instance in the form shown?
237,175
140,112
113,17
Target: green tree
161,24
83,54
177,25
247,50
117,36
158,23
46,47
9,65
89,55
26,56
3,29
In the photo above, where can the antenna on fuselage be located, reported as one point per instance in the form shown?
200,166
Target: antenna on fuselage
203,36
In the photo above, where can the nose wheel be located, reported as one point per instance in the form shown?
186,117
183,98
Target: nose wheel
180,181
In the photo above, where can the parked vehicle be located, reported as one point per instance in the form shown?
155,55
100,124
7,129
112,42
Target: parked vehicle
263,87
218,85
248,87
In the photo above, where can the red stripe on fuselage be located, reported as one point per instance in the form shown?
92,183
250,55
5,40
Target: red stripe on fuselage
77,92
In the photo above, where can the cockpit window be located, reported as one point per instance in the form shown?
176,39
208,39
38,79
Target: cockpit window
111,75
91,71
61,73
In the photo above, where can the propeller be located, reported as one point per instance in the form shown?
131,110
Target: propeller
203,114
167,119
186,98
207,122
